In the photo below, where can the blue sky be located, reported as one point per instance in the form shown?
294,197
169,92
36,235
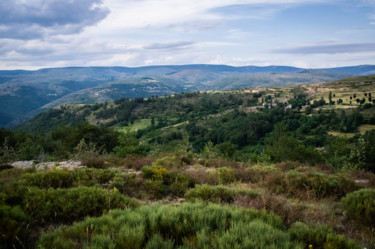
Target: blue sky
304,33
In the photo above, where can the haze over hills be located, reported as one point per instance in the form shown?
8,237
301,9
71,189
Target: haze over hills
23,94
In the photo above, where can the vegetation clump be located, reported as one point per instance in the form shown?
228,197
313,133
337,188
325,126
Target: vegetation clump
185,226
67,205
320,237
311,184
360,205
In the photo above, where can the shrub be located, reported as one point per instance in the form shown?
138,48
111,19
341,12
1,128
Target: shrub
65,179
128,184
288,211
12,227
211,193
96,162
320,237
89,154
11,188
186,226
90,177
311,184
217,193
360,205
64,205
49,179
161,182
226,175
168,162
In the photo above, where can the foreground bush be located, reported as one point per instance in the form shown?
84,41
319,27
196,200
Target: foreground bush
320,237
12,227
187,226
360,205
65,205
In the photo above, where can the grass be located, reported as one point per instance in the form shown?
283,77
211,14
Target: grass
341,134
362,130
366,127
137,125
345,88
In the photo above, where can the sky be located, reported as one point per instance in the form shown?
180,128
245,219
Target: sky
303,33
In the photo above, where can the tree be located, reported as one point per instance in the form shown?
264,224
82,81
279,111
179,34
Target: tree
330,97
128,144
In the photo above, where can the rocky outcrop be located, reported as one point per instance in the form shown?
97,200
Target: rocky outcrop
70,165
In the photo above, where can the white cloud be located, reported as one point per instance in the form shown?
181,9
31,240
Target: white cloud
139,32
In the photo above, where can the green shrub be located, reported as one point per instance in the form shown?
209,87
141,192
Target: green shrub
161,182
216,194
186,226
168,162
360,205
57,178
90,177
89,154
320,237
226,175
128,184
11,189
311,184
96,162
155,188
64,205
49,179
13,223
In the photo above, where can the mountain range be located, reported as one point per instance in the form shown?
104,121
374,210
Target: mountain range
23,94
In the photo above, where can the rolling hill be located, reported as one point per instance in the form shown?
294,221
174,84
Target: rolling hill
23,94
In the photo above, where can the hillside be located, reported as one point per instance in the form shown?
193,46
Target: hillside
280,166
23,94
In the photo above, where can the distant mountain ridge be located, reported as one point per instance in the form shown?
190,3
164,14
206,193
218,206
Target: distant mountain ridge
23,94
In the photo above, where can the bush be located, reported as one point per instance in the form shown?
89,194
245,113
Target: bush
216,194
12,227
211,193
89,154
128,184
161,182
65,205
186,226
311,184
226,175
49,179
96,162
360,205
65,178
320,237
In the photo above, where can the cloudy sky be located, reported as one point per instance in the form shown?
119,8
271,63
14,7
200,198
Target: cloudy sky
304,33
